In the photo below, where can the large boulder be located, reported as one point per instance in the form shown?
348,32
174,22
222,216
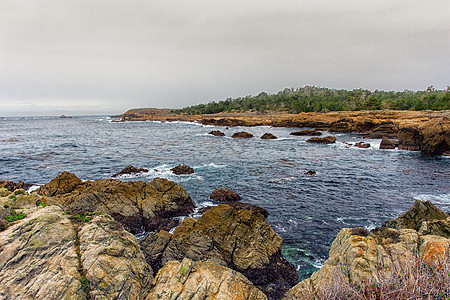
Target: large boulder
234,237
224,194
324,140
386,143
216,133
242,135
413,218
201,280
130,170
138,205
268,136
48,256
182,170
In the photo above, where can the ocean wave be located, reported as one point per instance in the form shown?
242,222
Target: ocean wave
443,199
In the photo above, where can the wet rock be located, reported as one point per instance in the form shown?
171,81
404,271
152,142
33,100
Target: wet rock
201,280
436,136
362,145
307,133
242,135
324,140
182,169
413,218
268,136
217,133
234,237
130,170
224,194
311,172
12,186
138,205
65,117
386,143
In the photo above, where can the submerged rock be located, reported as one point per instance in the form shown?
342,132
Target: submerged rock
362,145
217,133
201,280
307,132
230,236
182,169
386,143
138,205
268,136
324,140
130,170
242,135
311,172
224,194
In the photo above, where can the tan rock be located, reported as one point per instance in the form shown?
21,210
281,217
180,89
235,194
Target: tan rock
201,280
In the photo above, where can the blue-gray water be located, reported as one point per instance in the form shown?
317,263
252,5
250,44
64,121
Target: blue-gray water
352,187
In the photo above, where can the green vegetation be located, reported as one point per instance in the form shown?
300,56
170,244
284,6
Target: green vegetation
83,217
317,99
14,216
40,203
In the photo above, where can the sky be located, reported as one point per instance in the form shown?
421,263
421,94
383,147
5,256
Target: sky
80,57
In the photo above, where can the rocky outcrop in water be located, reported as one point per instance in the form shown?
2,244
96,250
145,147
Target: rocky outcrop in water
242,135
268,136
217,133
230,236
362,145
138,205
385,129
224,194
307,132
324,140
359,256
130,170
201,280
182,170
386,143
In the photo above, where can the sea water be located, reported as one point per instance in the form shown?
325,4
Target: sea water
351,187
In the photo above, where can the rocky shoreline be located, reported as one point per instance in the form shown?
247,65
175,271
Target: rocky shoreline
75,240
425,131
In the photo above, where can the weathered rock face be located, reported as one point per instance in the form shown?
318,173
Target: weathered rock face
359,256
182,169
224,194
386,143
201,280
268,136
306,132
413,218
230,236
242,135
385,129
324,140
135,204
130,170
47,256
12,186
217,133
436,136
353,125
409,139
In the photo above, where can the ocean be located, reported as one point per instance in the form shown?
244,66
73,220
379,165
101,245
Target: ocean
351,187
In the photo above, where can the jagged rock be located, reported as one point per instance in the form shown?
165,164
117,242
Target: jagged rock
182,169
253,208
113,264
436,136
409,139
268,136
307,132
224,194
47,256
201,280
324,140
217,133
12,186
153,246
234,237
386,143
436,227
130,170
413,218
138,205
242,135
362,145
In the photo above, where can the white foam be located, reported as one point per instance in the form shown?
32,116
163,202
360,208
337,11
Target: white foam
33,188
435,198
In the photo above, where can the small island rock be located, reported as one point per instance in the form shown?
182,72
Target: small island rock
217,133
224,194
130,170
242,135
324,140
386,143
182,169
307,132
268,136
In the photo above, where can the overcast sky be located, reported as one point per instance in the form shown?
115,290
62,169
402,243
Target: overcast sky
106,56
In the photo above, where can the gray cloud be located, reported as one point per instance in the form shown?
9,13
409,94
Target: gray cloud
79,56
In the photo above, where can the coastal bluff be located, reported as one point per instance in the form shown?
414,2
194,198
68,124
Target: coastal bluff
425,131
70,240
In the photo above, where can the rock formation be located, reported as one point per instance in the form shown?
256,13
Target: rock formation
12,186
182,170
224,194
138,205
242,135
386,143
362,145
129,171
217,133
324,140
307,132
268,136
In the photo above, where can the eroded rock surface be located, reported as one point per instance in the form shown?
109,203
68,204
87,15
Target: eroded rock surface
130,170
182,169
324,140
242,135
216,133
268,136
138,205
224,194
386,143
306,132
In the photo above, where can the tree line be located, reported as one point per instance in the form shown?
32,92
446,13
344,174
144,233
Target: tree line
318,99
